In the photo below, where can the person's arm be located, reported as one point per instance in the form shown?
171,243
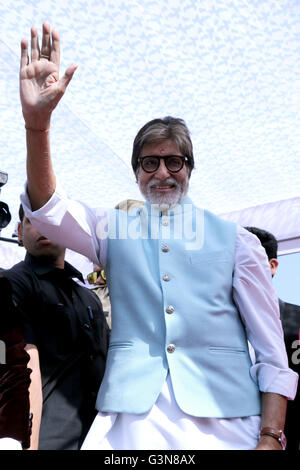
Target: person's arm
35,395
40,91
272,416
257,302
45,203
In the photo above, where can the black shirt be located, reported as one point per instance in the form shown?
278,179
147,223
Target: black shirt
290,318
66,323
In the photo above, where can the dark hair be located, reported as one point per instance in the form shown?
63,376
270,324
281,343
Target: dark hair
267,240
168,127
21,213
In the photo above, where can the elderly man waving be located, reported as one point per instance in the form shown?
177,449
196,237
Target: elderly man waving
178,373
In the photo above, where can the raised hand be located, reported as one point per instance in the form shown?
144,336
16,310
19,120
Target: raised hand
40,86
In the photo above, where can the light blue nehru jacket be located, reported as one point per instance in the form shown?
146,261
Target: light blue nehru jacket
172,311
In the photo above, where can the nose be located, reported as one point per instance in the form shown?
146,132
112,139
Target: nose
162,172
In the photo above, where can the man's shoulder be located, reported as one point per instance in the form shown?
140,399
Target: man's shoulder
286,307
290,319
21,278
15,270
209,215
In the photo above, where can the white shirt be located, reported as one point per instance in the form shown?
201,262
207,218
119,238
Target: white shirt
82,228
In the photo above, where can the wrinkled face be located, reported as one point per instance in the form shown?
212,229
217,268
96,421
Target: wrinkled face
36,244
162,187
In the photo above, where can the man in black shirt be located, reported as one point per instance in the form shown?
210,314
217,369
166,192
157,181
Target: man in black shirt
65,329
290,319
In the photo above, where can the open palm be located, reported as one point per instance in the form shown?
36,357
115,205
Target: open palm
40,86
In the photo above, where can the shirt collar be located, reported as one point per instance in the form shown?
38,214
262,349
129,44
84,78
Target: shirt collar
41,267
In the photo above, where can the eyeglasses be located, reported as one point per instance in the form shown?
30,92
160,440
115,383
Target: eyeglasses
174,163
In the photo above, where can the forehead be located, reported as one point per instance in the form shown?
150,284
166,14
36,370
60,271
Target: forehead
162,147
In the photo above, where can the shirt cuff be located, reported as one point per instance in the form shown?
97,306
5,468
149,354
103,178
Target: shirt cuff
52,212
271,379
69,223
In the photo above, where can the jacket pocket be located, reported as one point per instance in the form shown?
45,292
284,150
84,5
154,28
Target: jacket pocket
226,350
120,344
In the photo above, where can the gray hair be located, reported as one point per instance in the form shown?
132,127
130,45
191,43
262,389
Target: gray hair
156,130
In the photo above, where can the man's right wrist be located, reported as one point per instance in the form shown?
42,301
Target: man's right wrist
31,129
37,122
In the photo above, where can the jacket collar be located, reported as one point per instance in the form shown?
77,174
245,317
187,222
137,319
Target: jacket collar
41,267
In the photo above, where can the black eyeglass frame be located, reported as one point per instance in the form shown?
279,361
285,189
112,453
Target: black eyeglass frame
165,158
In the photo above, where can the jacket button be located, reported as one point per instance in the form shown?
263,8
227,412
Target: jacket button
166,277
171,348
170,309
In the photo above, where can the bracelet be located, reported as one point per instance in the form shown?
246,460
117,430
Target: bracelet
36,130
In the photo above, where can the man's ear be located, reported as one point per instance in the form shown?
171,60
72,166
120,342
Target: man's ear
273,265
20,233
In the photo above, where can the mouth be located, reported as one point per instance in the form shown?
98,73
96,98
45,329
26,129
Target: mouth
163,188
43,240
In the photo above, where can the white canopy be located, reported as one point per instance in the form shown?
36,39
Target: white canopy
280,218
228,68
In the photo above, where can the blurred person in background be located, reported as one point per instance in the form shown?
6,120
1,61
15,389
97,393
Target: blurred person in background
290,319
66,334
17,377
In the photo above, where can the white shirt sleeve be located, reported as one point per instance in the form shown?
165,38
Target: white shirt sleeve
62,219
258,305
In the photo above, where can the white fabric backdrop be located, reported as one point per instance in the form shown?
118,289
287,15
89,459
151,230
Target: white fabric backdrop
230,68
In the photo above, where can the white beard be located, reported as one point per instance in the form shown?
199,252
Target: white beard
164,201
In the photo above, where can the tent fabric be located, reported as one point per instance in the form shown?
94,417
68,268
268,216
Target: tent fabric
229,68
281,218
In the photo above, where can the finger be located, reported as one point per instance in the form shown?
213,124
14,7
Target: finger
35,49
65,80
55,48
46,41
24,53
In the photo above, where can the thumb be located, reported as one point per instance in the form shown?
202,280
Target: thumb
65,80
